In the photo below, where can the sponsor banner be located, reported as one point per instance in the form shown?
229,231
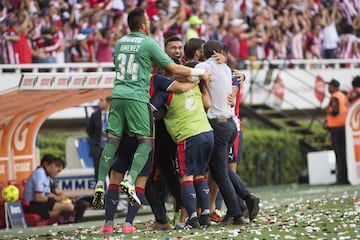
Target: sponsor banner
60,82
77,81
4,171
28,82
353,143
77,184
23,168
107,80
15,215
63,81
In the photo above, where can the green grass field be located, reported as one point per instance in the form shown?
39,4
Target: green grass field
287,212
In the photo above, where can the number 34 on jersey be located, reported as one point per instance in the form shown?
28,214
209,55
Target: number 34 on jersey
127,68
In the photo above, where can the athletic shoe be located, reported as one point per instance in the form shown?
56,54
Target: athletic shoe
204,220
98,201
128,228
175,218
129,189
179,226
160,226
192,223
108,229
216,216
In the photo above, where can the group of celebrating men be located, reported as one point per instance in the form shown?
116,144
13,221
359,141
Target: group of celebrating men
192,112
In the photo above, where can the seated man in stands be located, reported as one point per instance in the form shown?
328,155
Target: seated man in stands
42,200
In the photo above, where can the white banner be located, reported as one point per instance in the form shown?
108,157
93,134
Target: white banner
293,88
63,81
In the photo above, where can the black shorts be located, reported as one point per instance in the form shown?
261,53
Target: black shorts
125,154
41,208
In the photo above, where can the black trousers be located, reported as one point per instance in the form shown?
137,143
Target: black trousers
164,155
338,142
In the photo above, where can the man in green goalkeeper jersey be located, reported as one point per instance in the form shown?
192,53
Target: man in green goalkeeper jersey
129,110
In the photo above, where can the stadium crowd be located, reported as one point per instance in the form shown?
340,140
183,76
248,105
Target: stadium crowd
59,31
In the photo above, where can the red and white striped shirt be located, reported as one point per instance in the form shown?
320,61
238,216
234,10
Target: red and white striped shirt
57,43
9,53
297,46
346,46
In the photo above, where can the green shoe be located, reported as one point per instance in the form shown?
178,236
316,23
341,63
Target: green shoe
176,218
98,200
129,189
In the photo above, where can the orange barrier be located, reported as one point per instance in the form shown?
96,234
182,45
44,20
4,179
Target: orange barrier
26,107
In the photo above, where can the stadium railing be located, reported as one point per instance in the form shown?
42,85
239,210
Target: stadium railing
106,67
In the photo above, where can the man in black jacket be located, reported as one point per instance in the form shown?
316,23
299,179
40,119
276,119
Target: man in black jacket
96,130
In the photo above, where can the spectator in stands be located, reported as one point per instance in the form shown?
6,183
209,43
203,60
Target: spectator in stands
232,41
38,190
330,34
105,46
298,29
348,43
313,43
79,52
262,16
16,49
192,31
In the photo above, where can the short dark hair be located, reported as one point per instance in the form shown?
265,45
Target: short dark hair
356,81
50,159
46,158
191,46
108,99
135,18
172,38
211,46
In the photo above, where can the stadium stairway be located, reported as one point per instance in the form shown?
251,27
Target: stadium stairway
279,120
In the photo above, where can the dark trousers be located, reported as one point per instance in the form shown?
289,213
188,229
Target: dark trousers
224,135
239,186
164,154
338,142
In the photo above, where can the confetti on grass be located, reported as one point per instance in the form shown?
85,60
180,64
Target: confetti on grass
326,216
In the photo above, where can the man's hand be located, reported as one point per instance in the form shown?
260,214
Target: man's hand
206,77
230,100
239,75
220,58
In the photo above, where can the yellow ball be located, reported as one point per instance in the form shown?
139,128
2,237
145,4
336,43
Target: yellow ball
10,193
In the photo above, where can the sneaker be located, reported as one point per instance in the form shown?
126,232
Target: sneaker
192,223
160,226
128,228
108,229
98,201
129,189
252,203
216,216
204,220
175,218
179,226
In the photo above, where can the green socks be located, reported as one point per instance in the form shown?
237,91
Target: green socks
106,160
140,158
